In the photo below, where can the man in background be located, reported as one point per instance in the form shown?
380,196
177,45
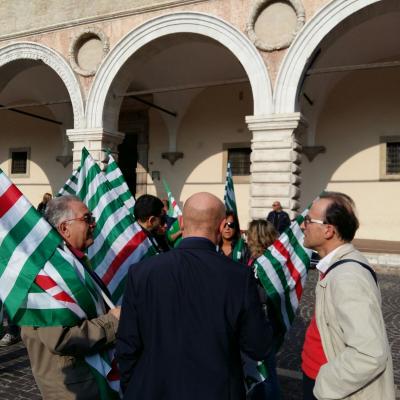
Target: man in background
279,218
149,213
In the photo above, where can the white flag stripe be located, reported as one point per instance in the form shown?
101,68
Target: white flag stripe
38,301
114,174
20,254
103,203
106,229
116,248
80,271
13,216
276,282
57,278
282,260
5,183
139,253
289,279
83,173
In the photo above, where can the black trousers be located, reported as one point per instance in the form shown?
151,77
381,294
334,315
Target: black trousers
308,386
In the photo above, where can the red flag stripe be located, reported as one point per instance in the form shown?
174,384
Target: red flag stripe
45,282
292,269
63,296
122,256
8,199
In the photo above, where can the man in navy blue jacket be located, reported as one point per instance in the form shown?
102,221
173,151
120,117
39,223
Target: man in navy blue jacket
186,316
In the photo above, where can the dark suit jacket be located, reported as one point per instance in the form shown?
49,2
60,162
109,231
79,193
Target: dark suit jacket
185,317
280,220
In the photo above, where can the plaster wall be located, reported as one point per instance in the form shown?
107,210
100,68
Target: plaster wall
55,24
44,141
215,117
361,108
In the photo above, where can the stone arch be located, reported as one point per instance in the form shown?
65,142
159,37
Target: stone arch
36,52
295,62
186,22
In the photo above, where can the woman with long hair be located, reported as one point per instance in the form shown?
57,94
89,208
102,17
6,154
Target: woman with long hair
231,244
260,235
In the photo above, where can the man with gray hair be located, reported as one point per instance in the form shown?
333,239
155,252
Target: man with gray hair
57,353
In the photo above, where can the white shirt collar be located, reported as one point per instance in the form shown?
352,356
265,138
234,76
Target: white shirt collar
325,262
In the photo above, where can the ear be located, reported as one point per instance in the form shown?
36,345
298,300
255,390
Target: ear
63,230
330,231
221,225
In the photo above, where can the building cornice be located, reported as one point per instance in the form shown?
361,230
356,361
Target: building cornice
97,19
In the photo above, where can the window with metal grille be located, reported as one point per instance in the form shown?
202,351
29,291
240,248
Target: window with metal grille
240,161
19,161
393,158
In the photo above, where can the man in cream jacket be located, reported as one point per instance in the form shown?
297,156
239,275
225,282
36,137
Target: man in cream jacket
346,345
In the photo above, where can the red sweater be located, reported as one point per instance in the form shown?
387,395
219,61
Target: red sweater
313,356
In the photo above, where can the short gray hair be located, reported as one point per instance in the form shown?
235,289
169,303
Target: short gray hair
58,209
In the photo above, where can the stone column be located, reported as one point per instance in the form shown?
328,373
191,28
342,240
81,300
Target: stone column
275,162
96,141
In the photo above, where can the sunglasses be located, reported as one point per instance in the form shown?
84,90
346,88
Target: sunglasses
231,225
88,218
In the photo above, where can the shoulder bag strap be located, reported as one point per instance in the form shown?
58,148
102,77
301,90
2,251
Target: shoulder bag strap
337,263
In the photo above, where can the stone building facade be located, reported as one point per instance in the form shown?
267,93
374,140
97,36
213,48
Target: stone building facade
301,94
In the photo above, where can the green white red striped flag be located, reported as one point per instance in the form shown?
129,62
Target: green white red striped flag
282,271
119,241
229,196
174,211
117,181
42,284
71,184
27,242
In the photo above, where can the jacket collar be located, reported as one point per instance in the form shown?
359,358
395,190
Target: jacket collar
341,253
197,243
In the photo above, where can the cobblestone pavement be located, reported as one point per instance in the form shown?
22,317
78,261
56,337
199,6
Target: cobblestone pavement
16,381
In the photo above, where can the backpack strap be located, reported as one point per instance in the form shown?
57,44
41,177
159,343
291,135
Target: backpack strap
337,263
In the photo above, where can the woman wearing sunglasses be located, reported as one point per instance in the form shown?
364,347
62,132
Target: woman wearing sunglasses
231,244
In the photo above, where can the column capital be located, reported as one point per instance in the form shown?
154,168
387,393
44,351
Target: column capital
96,140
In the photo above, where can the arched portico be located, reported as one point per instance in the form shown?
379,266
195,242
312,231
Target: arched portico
187,22
35,51
295,62
100,117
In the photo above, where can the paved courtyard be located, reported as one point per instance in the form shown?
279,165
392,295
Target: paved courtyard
16,381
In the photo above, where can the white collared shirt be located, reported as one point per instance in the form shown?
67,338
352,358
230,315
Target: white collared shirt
325,262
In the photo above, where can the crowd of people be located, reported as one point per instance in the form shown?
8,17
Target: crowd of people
191,311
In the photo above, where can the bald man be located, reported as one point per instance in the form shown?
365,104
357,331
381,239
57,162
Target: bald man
186,316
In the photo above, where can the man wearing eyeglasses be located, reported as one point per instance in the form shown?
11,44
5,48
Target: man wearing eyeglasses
57,353
346,354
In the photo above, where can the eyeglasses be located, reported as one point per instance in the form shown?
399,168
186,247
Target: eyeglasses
231,225
308,221
88,218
